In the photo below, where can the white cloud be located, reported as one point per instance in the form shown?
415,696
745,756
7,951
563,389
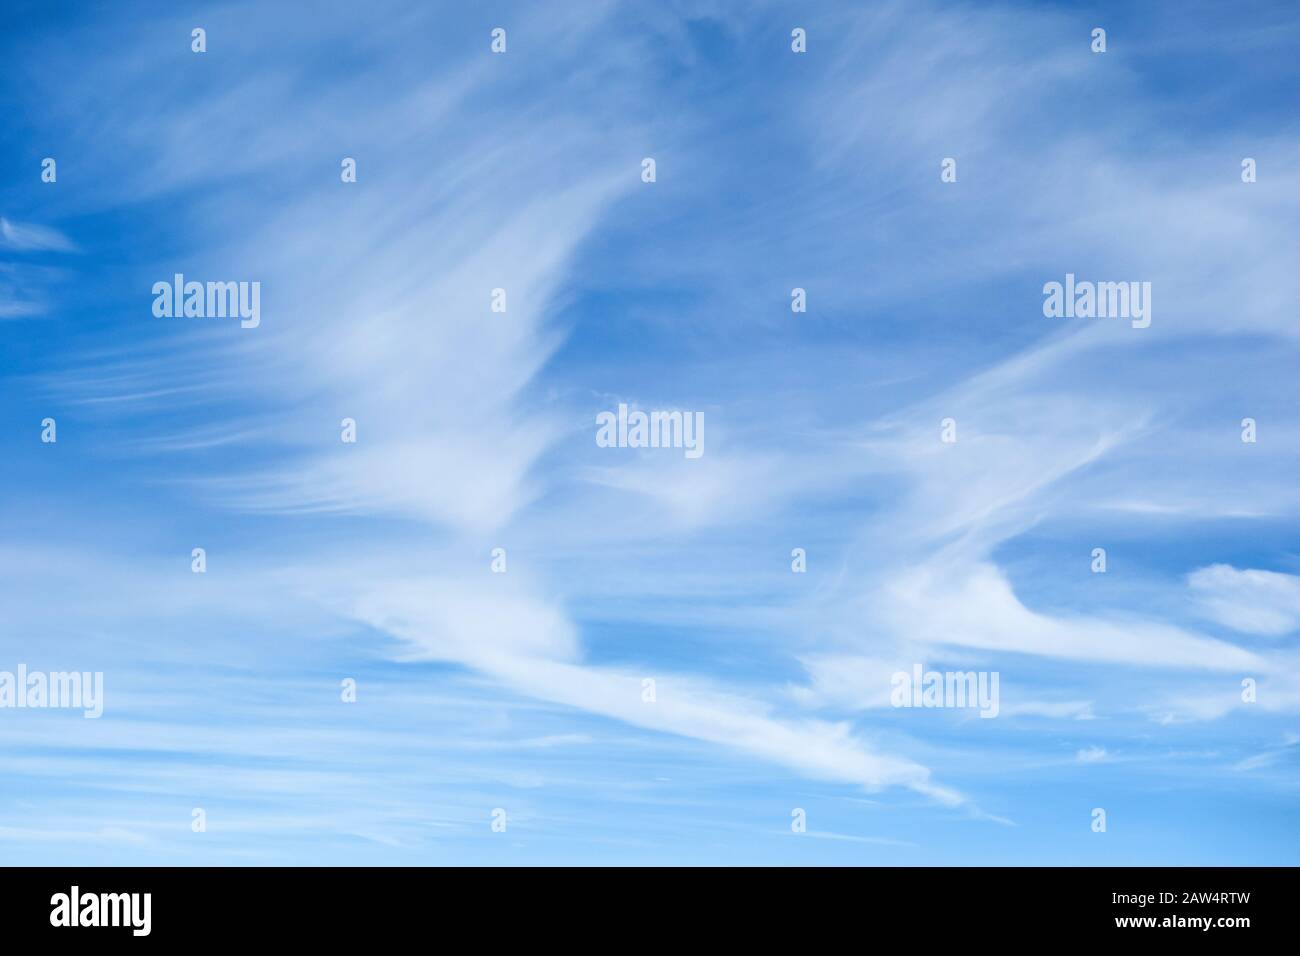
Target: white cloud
518,641
30,238
1257,761
947,603
1251,601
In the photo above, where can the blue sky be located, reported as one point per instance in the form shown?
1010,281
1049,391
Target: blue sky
523,690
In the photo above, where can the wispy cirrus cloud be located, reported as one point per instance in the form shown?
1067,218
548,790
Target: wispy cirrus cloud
475,428
1250,601
19,237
